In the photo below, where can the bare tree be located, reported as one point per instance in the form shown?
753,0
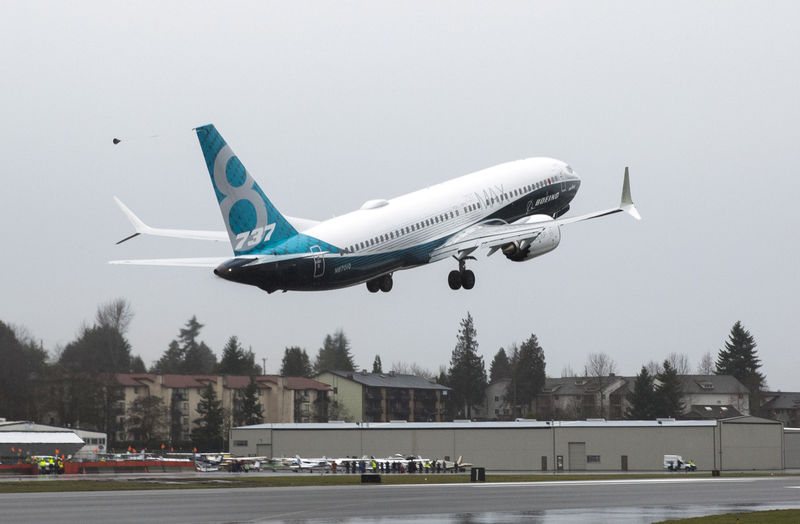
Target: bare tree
680,363
653,368
567,371
115,314
706,365
406,368
599,365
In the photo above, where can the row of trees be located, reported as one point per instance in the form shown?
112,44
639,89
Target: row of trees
76,386
657,390
658,394
334,354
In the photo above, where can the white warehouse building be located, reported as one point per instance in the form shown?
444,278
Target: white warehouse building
740,443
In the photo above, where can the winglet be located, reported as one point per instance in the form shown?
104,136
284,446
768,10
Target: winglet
138,225
626,203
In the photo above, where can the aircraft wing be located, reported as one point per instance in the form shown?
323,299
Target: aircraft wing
487,235
626,205
495,234
300,224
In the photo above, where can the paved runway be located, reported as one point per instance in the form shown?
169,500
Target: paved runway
579,501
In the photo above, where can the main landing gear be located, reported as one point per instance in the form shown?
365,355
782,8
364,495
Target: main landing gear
382,283
462,277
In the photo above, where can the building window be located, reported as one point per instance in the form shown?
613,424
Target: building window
593,459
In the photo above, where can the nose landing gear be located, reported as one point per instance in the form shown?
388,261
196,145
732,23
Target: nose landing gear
462,277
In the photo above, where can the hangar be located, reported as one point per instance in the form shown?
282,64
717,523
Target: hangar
739,443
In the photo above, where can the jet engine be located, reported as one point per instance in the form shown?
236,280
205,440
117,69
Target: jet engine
527,249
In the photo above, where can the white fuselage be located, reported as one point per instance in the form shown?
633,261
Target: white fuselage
443,209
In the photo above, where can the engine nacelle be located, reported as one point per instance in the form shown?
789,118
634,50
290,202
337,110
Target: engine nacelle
547,241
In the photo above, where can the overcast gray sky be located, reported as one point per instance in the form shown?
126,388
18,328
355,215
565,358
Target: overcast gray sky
330,104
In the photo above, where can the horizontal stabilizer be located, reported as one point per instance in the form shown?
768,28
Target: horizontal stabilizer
143,229
206,262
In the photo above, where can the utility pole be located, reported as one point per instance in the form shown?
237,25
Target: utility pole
264,366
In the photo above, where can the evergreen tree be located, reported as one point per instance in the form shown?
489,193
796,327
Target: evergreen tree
377,367
236,361
668,393
739,359
467,374
85,392
147,418
208,433
23,370
527,373
335,354
642,398
198,358
137,365
187,355
171,361
176,416
296,363
500,367
248,410
98,349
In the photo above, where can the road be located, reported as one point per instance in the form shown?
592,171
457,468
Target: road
578,501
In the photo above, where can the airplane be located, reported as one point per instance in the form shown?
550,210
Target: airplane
316,464
516,208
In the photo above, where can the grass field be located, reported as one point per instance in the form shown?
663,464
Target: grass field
783,516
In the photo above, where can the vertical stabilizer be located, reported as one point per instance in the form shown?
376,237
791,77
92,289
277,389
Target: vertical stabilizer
253,223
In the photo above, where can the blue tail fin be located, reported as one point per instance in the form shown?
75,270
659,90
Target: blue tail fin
253,223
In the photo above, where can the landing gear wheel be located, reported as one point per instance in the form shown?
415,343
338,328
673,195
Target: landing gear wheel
386,283
454,280
468,279
373,285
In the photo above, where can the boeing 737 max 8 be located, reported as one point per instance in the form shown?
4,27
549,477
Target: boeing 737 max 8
514,208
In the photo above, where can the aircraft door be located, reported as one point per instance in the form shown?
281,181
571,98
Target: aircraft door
319,262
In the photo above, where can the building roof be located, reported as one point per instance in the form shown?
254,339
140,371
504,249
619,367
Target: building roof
242,381
135,379
306,383
39,437
228,381
23,425
491,425
188,381
711,412
710,384
784,400
579,385
389,380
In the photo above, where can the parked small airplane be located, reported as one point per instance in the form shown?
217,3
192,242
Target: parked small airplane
514,208
316,464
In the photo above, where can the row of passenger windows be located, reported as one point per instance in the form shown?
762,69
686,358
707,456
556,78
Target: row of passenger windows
441,218
397,233
518,192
